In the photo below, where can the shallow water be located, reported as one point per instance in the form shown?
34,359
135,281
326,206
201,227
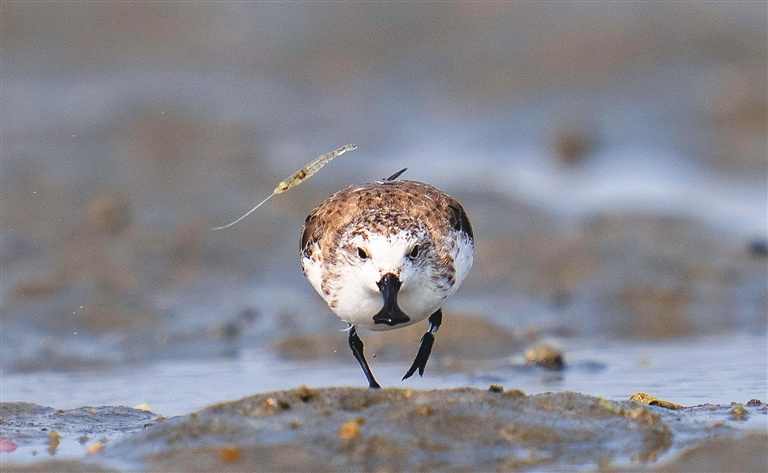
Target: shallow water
715,370
705,371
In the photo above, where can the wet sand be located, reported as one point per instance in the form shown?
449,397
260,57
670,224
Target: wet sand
357,429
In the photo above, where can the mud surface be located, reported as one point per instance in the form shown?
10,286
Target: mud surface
591,217
357,429
612,159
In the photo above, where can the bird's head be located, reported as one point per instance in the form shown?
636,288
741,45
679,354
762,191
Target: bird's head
391,266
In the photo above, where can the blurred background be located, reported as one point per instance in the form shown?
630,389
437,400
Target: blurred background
611,156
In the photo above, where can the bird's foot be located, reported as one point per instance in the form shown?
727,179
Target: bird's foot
425,348
357,350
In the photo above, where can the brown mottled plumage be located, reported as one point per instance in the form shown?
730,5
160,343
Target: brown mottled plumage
386,255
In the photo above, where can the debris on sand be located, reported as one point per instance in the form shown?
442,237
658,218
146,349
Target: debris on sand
654,401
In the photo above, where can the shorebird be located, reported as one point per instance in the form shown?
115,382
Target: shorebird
386,255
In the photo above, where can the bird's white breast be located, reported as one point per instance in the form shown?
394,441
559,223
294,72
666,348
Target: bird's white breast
350,289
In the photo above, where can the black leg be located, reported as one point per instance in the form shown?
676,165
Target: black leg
425,348
357,349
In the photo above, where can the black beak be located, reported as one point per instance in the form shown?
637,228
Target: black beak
390,314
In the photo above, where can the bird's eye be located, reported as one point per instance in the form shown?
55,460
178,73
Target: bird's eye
414,251
362,253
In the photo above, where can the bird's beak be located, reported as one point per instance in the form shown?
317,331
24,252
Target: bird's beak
390,313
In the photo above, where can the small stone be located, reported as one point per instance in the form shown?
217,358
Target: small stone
739,412
350,429
229,454
306,394
272,404
495,388
95,448
654,401
545,356
53,441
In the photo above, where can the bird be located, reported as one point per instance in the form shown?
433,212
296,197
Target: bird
386,255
